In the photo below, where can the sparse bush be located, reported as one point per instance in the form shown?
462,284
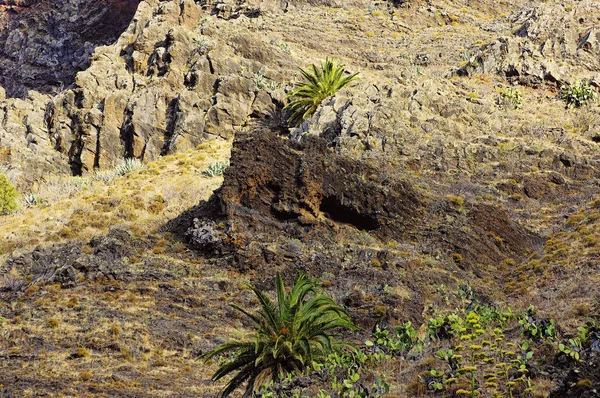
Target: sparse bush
105,176
586,120
318,84
289,335
8,195
578,93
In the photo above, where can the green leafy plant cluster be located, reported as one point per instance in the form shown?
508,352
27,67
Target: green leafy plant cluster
448,326
578,93
481,362
512,98
290,335
587,340
349,371
401,341
352,386
537,329
8,195
442,327
318,83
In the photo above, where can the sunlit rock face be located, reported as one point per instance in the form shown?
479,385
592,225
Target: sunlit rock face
44,43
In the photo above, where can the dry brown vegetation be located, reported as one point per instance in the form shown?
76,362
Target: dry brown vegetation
78,208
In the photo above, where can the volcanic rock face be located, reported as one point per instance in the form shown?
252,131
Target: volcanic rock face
186,71
170,81
43,43
296,206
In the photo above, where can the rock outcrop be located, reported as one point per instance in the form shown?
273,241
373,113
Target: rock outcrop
291,206
44,43
185,71
549,44
171,80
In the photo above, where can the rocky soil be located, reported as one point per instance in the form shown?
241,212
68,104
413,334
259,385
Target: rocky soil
400,188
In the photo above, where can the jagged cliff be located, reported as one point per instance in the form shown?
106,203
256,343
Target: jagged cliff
168,82
43,44
184,71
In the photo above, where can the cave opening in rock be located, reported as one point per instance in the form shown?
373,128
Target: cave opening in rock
44,43
338,212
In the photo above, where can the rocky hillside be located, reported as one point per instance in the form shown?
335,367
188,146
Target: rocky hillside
44,43
426,173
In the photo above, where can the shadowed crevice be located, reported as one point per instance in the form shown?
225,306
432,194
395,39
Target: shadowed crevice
338,212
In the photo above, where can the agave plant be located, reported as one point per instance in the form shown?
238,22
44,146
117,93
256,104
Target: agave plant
31,200
318,84
289,335
214,169
128,165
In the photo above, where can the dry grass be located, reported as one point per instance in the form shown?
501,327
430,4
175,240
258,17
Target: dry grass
75,208
110,338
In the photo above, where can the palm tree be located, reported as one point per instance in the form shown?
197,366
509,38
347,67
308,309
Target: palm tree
288,336
318,85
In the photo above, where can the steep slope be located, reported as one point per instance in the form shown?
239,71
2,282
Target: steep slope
399,190
105,297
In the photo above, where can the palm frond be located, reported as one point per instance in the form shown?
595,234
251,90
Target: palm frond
269,312
318,84
240,361
227,347
288,335
245,374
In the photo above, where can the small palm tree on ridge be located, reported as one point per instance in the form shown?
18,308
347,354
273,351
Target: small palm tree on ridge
318,84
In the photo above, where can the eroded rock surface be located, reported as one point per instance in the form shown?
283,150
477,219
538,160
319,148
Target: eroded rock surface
170,81
548,44
295,206
43,43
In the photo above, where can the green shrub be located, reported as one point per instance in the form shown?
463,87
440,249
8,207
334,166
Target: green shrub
289,335
578,93
512,98
318,84
8,195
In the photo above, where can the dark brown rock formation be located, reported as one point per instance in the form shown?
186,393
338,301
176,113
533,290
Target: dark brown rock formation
43,43
289,206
